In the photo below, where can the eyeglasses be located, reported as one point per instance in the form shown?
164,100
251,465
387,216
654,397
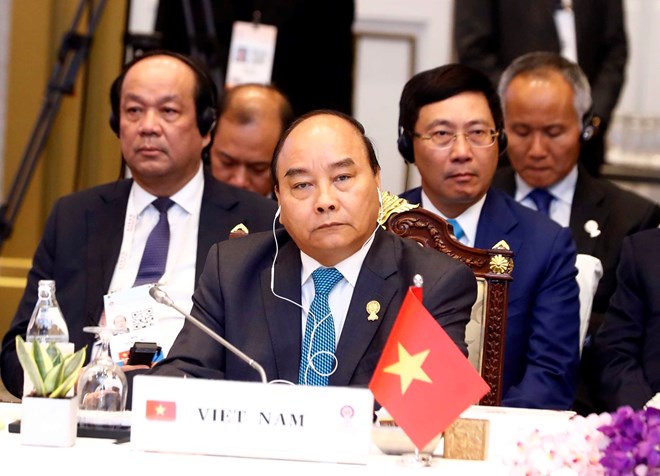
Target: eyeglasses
474,137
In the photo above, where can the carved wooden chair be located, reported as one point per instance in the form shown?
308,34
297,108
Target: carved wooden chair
492,268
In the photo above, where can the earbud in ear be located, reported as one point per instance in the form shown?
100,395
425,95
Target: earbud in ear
277,213
380,197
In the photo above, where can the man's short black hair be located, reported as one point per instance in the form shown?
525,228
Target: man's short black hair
442,83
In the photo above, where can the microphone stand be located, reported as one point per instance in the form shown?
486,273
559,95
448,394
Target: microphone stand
161,297
73,51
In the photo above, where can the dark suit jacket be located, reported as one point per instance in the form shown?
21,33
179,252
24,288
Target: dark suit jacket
234,298
81,244
618,212
542,331
626,346
490,35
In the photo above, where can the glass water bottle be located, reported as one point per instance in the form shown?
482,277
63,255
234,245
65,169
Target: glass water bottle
47,322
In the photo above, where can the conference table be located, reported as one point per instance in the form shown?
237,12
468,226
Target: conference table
97,456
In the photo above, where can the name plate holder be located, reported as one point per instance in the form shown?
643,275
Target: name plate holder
249,419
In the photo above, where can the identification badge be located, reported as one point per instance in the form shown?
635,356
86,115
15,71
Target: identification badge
251,53
134,311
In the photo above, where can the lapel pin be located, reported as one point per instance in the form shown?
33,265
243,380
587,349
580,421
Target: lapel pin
372,308
591,227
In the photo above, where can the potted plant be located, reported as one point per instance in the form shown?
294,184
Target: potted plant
49,415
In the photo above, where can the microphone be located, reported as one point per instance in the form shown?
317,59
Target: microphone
161,297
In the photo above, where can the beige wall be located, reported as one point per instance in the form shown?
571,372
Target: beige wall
81,151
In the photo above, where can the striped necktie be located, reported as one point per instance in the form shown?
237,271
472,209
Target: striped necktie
154,258
317,360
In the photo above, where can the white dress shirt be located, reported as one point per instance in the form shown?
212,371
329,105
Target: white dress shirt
469,219
179,277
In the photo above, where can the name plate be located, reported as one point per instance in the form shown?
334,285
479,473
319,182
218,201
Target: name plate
279,421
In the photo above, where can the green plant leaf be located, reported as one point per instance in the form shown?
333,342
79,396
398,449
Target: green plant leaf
42,358
54,352
63,389
73,362
53,379
29,366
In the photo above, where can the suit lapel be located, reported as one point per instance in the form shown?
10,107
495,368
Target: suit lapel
496,222
105,230
587,205
372,285
282,316
216,219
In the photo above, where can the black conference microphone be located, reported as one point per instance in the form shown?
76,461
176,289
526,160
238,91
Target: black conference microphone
161,296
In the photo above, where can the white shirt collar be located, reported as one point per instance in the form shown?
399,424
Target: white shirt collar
187,198
469,219
349,268
562,190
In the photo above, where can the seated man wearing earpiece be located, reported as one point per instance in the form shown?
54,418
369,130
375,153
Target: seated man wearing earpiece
314,302
547,102
451,127
114,237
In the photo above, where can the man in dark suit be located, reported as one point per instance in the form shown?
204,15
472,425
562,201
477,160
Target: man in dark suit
259,292
545,98
450,124
164,112
490,35
626,346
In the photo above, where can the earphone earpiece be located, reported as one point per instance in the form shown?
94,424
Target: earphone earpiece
502,141
380,198
206,121
404,143
587,133
277,213
589,125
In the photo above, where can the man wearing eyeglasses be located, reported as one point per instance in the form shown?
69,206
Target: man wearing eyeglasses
451,128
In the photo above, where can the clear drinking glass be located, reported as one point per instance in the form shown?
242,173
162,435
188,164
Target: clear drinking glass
102,385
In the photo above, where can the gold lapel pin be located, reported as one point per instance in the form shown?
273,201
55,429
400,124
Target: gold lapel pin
372,308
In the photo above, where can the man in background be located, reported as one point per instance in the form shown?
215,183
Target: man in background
451,128
251,119
263,292
490,35
546,100
99,241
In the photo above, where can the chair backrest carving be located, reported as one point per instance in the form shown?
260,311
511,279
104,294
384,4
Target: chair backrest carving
486,331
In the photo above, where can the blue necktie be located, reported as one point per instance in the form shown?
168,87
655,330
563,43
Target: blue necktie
542,198
458,231
317,360
154,258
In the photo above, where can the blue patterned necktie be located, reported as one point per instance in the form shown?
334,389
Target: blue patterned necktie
542,198
154,258
458,230
317,360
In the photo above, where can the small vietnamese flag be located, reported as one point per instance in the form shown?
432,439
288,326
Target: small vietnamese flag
159,410
423,379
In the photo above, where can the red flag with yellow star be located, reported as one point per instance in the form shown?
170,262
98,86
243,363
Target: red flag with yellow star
423,379
160,410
